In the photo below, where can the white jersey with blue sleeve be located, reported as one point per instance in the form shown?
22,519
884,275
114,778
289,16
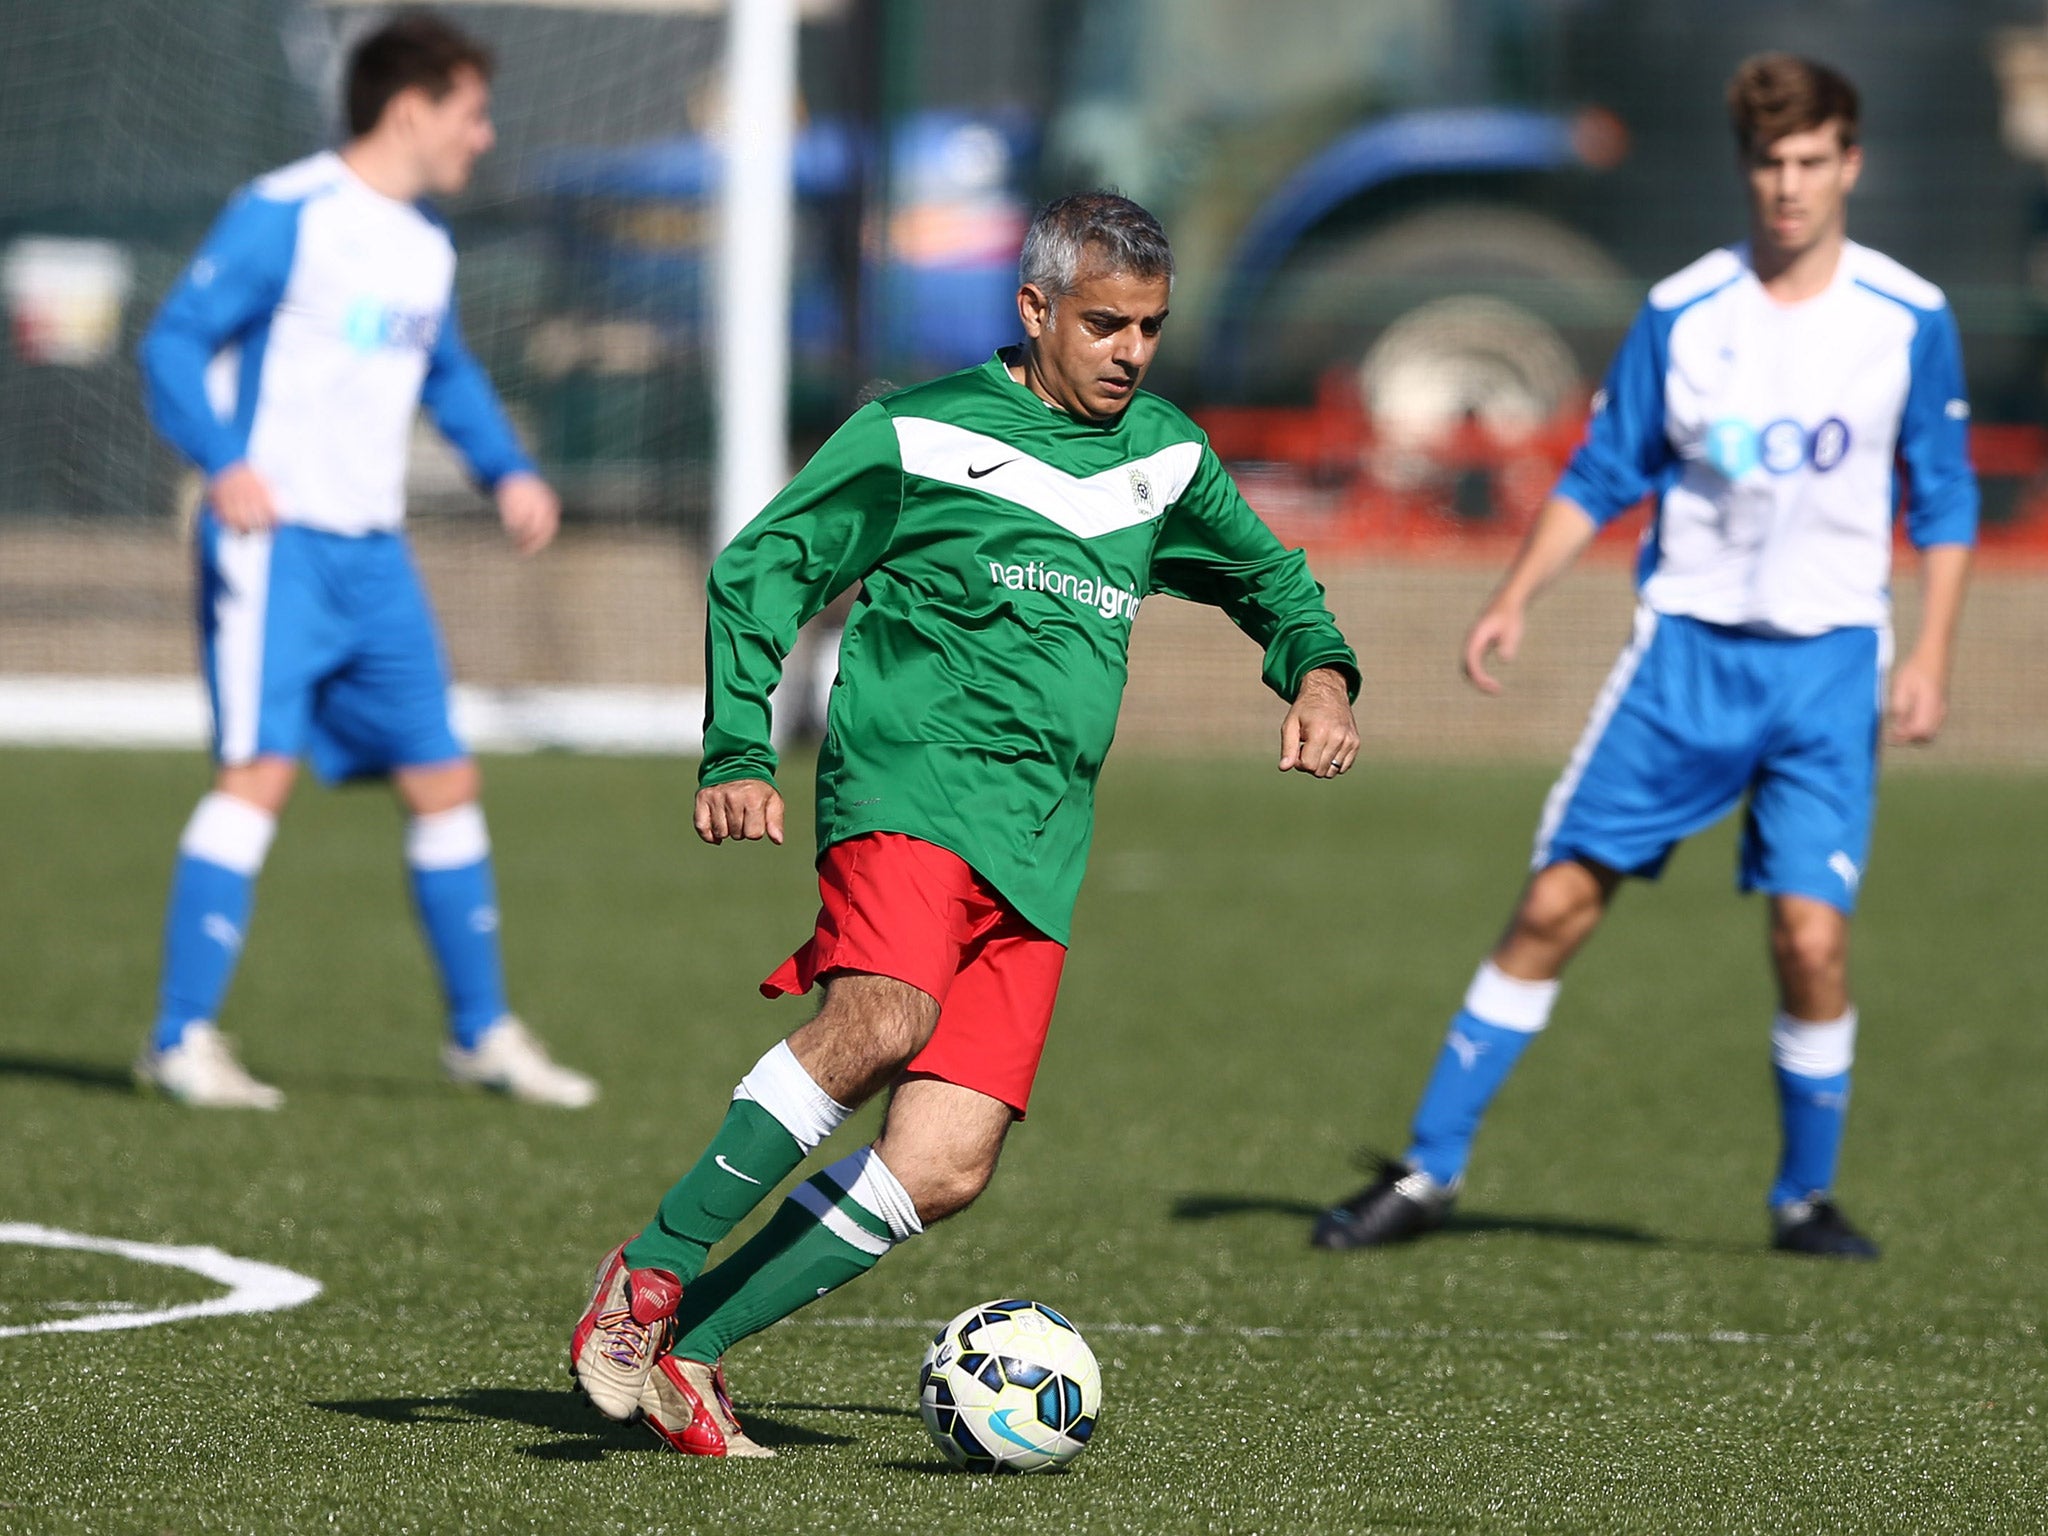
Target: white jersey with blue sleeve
1774,438
312,325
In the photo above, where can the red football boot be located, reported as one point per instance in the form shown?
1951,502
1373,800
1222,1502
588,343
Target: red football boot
630,1319
685,1402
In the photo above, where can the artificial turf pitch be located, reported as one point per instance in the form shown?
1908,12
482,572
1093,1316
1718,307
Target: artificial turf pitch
1261,975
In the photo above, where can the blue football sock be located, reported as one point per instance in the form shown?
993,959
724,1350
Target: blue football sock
1502,1014
212,892
1812,1112
209,914
453,890
1475,1061
1811,1061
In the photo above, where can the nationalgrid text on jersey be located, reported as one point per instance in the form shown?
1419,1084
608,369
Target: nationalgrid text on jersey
1111,602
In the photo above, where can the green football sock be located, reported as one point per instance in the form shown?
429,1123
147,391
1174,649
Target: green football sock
820,1239
751,1154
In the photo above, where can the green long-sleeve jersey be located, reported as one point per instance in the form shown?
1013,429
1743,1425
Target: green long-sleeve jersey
1002,548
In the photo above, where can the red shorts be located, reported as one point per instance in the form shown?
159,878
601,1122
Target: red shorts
898,906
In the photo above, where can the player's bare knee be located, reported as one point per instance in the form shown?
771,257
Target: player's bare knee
1809,943
265,783
1560,909
948,1191
439,787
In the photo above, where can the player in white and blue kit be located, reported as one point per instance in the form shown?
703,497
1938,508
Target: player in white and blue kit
1773,398
288,364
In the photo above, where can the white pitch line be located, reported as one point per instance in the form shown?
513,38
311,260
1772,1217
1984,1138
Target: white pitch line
1667,1337
252,1286
1420,1335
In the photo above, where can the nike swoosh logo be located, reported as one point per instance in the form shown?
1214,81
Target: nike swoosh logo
728,1167
999,1421
976,474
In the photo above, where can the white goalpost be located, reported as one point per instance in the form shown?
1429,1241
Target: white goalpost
756,221
641,335
756,229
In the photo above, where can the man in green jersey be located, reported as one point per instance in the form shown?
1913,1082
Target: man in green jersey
1003,524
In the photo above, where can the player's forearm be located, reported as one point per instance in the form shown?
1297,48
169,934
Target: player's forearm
736,739
459,396
1294,625
174,390
754,608
740,671
1944,578
1562,529
1232,561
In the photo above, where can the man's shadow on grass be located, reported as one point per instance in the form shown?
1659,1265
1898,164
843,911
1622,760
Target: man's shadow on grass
1214,1207
57,1069
586,1434
313,1084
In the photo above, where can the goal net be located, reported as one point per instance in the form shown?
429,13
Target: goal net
585,287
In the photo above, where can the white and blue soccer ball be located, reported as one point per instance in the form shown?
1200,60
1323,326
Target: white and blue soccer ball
1009,1386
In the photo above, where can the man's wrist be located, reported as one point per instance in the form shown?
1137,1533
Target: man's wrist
1335,677
1508,603
1930,657
713,777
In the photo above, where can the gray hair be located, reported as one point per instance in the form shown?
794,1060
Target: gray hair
1119,234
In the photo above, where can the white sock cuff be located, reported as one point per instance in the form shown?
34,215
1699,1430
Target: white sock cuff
231,833
1506,1002
867,1179
448,839
1814,1048
780,1085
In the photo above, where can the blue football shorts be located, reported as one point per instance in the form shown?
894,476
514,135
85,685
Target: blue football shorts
323,646
1694,718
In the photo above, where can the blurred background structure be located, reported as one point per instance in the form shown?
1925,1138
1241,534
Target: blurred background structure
1410,233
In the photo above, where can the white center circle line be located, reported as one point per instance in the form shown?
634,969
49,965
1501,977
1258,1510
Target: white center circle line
252,1286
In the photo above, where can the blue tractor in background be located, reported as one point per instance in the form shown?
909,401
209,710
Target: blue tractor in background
922,275
1448,209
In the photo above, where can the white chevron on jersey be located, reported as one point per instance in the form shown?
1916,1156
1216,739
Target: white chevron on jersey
1086,506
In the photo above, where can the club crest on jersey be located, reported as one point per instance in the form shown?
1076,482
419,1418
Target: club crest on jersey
1141,492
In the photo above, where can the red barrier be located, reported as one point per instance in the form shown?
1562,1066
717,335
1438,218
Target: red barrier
1328,480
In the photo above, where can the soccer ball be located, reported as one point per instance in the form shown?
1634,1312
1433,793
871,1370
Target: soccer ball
1009,1386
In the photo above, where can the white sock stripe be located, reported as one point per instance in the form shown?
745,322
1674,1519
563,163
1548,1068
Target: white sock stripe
865,1177
780,1085
448,839
231,833
1814,1048
837,1222
1560,797
1507,1002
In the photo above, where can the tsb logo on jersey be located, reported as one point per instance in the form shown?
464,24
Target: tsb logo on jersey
370,327
1735,447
